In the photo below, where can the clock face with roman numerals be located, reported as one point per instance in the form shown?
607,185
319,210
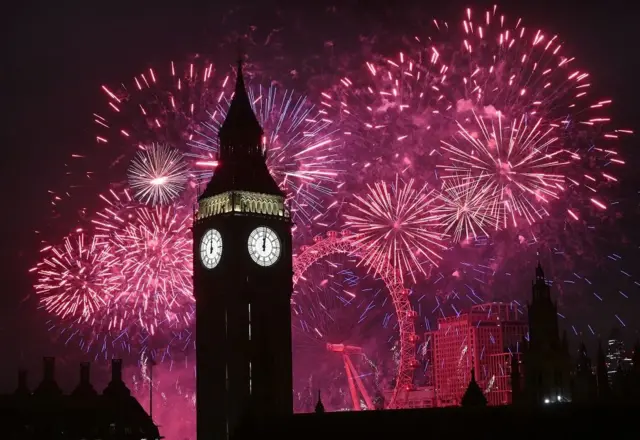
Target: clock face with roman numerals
264,246
211,248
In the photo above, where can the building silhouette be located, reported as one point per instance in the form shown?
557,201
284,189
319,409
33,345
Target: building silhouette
546,359
479,340
48,413
541,372
584,386
616,356
242,283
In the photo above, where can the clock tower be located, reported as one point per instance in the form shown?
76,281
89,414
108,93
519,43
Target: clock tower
242,281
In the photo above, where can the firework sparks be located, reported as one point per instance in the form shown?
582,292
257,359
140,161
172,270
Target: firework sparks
518,165
467,207
154,255
395,225
397,109
165,105
158,175
75,281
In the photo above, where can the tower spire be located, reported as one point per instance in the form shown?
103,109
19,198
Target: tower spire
319,405
241,133
242,162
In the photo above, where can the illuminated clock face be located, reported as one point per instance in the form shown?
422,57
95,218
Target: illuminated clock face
211,248
264,246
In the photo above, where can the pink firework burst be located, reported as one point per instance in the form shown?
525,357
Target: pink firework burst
398,108
76,281
154,256
158,174
396,225
518,164
467,209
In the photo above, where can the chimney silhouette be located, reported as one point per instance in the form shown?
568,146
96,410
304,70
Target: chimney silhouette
85,373
48,386
49,369
84,388
116,370
116,388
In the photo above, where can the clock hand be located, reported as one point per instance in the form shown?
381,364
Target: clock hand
264,243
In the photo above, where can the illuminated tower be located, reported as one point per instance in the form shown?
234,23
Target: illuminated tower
242,283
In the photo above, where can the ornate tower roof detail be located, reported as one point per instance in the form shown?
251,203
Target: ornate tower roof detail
242,157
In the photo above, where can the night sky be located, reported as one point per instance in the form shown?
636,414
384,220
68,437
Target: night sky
56,57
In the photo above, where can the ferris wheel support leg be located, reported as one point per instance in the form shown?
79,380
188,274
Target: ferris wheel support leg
352,386
361,387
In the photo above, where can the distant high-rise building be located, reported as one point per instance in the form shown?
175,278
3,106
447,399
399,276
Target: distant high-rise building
478,340
617,356
546,360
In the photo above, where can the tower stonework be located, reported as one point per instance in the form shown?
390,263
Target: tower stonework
242,283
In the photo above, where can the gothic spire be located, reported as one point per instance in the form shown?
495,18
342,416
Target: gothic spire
474,395
242,162
241,133
539,272
319,405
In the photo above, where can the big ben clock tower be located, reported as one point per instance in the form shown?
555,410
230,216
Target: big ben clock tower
242,282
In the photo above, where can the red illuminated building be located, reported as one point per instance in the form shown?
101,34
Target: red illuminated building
482,339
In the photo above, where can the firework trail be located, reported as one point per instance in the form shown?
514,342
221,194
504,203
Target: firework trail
158,175
395,225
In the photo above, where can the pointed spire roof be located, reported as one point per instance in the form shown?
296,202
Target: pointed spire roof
242,156
241,127
319,405
539,272
474,395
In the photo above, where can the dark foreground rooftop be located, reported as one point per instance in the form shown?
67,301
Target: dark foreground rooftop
562,421
47,413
